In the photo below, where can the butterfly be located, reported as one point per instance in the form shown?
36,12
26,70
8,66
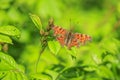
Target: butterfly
68,38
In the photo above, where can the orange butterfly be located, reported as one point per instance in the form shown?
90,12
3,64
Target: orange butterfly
68,38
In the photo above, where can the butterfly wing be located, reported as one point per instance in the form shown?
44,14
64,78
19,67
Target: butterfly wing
82,37
78,39
60,34
74,39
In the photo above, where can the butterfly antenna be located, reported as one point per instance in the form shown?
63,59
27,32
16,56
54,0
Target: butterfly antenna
71,27
70,22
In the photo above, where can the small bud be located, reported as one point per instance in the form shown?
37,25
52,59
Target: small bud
51,22
5,47
46,33
42,32
48,28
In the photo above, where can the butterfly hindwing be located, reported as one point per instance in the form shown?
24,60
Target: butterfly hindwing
82,37
78,39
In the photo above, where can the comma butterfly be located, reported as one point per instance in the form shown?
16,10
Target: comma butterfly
69,38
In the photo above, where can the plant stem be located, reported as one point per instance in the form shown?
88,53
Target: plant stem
41,51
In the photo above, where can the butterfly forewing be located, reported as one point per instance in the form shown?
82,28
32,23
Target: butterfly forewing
58,31
82,37
60,34
79,39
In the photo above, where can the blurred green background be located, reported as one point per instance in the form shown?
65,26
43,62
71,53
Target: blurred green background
97,60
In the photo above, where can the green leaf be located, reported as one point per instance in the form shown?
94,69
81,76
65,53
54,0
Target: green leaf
71,73
9,69
10,30
105,72
96,58
90,68
73,51
7,62
54,46
36,20
110,45
12,75
110,58
53,73
38,76
2,74
5,39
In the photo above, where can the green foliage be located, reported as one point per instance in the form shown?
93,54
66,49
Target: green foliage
6,31
41,77
9,69
5,39
10,30
96,60
54,46
36,20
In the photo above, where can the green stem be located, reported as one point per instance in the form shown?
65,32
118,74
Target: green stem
39,58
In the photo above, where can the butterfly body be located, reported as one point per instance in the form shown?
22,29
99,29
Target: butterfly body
69,38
